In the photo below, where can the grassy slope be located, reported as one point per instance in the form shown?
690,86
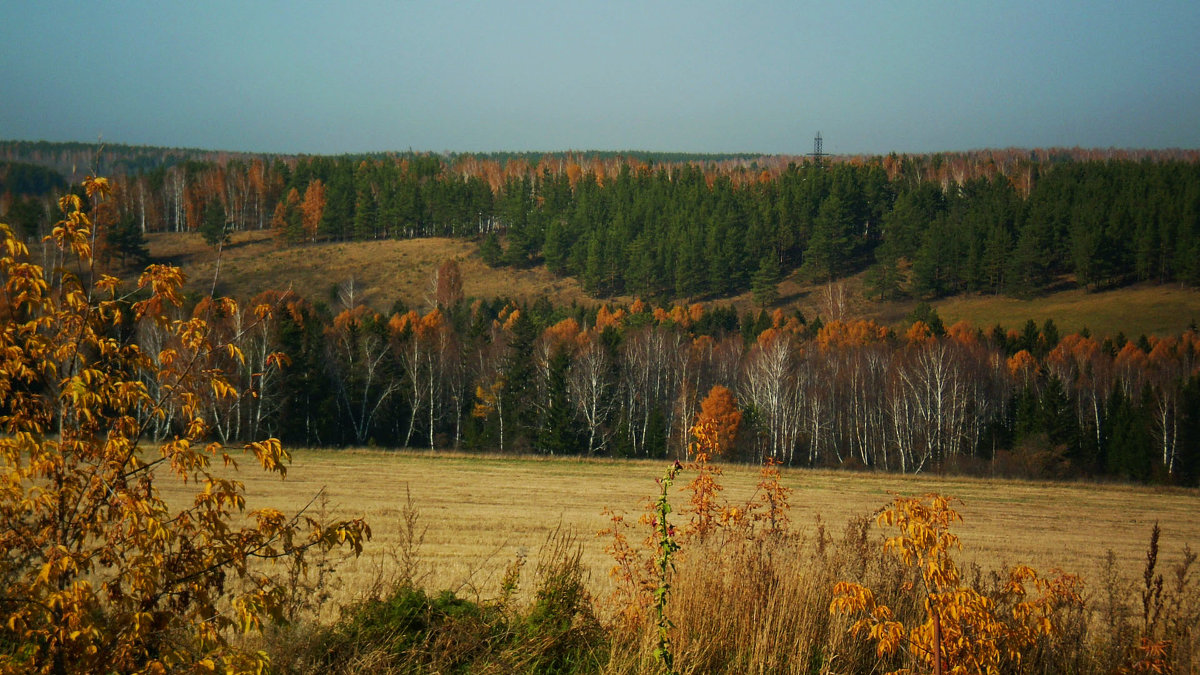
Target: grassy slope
390,270
385,271
1148,309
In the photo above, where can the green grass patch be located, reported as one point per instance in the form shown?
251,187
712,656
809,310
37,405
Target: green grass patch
1150,310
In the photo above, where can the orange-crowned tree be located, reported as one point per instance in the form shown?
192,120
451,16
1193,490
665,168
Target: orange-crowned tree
719,420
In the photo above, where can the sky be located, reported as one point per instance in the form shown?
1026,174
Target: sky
460,76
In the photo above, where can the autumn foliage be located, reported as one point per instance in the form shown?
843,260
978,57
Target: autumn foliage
964,631
717,425
747,593
99,573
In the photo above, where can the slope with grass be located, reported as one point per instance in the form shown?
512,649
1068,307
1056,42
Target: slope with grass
389,270
383,271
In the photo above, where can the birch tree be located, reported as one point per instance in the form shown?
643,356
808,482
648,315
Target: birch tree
592,392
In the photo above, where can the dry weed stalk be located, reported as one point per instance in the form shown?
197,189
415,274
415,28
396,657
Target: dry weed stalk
1167,641
400,565
741,586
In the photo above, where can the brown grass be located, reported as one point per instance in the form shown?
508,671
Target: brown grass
1144,308
391,270
481,512
385,270
1149,309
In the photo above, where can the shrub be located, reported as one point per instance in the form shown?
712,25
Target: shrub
98,572
961,630
409,629
412,631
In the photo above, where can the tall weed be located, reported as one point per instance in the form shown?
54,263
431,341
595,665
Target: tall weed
738,588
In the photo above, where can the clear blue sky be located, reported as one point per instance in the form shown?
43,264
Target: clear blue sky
334,77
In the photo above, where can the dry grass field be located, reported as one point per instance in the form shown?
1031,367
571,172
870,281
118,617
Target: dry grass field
390,270
384,271
1148,309
482,511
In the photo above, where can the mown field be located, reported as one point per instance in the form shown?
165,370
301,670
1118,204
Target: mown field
481,512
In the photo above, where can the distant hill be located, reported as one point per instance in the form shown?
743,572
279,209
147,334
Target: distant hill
984,233
391,271
74,160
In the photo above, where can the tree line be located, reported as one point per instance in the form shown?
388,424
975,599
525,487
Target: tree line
630,382
924,226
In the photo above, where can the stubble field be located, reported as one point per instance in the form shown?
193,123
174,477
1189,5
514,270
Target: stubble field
481,512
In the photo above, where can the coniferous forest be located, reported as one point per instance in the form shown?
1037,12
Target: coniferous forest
682,232
686,227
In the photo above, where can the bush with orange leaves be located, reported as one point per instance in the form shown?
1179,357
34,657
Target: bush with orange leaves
705,506
964,631
98,573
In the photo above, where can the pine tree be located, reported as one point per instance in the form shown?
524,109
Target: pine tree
366,215
937,268
556,248
830,246
214,228
765,283
996,251
884,277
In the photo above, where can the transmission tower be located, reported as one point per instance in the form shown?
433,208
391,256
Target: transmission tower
818,153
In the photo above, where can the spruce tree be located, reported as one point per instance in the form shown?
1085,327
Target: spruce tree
520,386
490,251
558,432
127,239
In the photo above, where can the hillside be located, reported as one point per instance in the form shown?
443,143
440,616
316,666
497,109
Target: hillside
383,271
393,270
1018,224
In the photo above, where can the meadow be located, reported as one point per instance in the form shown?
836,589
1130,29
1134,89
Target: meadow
518,542
387,271
482,511
384,271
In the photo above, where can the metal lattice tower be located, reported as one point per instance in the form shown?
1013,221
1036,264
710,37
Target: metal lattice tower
818,153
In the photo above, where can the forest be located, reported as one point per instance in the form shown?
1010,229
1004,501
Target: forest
629,379
129,545
684,227
629,382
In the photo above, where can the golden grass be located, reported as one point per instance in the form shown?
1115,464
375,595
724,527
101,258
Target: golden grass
385,271
1160,310
482,511
390,270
